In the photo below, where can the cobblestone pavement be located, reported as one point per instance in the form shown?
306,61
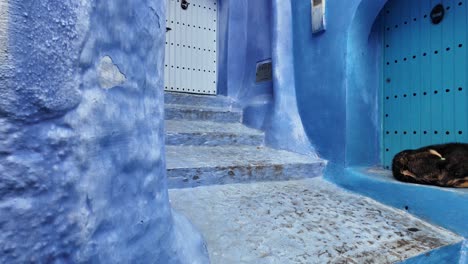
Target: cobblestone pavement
303,221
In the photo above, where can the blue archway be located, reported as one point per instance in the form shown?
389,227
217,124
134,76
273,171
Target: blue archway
362,86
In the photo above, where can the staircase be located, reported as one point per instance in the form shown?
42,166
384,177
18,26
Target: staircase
286,214
207,144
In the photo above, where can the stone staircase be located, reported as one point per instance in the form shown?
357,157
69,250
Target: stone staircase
207,144
286,214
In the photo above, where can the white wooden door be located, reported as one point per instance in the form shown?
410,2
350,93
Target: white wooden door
190,64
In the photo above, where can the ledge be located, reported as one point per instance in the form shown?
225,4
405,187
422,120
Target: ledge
446,207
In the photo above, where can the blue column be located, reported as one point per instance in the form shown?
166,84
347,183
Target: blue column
82,163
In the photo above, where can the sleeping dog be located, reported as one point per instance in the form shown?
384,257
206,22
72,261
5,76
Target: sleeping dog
443,165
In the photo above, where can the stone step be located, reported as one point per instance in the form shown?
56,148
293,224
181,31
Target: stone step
214,114
309,221
191,166
183,132
198,100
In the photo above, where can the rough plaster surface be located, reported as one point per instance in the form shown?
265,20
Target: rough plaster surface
82,169
305,221
43,81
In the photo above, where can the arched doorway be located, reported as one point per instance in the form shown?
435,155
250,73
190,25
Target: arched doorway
424,71
406,79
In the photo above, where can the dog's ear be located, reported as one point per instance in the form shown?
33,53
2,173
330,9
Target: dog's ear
435,153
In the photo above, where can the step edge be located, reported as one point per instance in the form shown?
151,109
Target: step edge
321,163
202,108
243,133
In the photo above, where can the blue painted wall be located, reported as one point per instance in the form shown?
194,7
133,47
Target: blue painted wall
320,76
245,39
284,128
332,79
249,32
337,81
82,166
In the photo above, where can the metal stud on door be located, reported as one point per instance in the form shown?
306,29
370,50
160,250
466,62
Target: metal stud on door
190,64
425,74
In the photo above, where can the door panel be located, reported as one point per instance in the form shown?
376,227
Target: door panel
425,68
190,64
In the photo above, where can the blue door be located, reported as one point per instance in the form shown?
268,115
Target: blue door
425,91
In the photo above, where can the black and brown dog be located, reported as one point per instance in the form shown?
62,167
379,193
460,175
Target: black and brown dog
443,165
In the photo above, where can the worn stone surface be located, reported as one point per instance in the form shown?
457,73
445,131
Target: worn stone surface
198,100
189,166
210,133
194,112
304,221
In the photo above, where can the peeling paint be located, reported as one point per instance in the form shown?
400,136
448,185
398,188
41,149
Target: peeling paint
109,74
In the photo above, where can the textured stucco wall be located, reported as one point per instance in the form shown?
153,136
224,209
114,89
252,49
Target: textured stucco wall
82,167
248,32
244,39
284,129
331,79
256,98
321,77
337,80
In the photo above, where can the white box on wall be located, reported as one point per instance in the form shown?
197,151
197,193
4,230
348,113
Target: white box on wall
318,15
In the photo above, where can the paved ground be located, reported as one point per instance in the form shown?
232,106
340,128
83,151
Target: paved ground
303,221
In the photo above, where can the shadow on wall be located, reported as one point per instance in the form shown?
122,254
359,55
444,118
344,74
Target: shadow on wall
255,31
363,77
244,39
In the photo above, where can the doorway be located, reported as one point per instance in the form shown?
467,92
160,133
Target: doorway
424,87
191,53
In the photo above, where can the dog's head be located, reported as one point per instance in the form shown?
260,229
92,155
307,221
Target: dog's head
409,165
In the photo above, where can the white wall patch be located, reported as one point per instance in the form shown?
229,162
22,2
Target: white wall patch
109,74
